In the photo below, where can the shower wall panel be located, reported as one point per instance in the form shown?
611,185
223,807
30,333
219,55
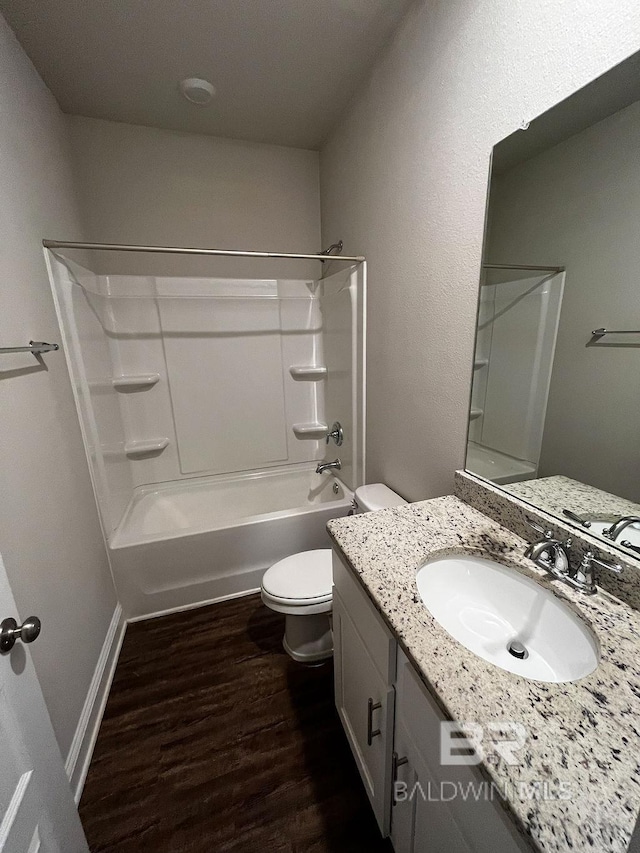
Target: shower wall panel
86,323
524,324
180,378
225,373
343,316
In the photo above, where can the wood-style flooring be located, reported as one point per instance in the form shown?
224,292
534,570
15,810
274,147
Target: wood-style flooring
214,741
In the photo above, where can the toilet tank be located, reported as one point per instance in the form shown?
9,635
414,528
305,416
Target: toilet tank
376,496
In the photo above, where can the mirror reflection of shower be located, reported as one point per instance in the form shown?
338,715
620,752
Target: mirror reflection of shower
519,312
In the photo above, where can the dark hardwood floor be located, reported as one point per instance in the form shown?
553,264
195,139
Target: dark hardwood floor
213,740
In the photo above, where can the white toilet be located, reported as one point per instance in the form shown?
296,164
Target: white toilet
300,586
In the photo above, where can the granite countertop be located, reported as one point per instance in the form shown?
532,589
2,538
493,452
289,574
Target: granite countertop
554,494
584,736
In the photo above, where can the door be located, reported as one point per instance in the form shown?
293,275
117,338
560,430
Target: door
37,811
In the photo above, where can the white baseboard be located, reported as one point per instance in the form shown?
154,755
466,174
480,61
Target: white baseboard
84,740
183,607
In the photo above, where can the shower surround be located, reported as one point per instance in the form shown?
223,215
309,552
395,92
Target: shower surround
204,404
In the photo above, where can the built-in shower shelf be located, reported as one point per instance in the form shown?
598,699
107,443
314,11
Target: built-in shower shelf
475,413
480,362
308,373
135,381
135,449
312,430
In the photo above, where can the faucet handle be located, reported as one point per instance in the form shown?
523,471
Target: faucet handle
547,534
590,557
336,433
575,517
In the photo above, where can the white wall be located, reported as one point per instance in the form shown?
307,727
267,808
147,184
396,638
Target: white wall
148,186
49,531
404,180
578,205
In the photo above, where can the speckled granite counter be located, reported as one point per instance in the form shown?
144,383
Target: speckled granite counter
555,494
583,735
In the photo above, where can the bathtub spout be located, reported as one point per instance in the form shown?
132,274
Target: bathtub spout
326,466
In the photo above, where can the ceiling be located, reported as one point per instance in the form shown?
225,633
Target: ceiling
284,70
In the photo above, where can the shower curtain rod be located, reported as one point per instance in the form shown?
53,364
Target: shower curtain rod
521,267
180,250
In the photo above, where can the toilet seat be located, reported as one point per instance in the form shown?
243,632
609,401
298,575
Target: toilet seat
301,583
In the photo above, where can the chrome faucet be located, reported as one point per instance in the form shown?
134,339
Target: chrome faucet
549,553
553,556
616,529
327,466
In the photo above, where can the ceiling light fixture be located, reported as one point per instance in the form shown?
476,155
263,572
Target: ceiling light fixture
197,91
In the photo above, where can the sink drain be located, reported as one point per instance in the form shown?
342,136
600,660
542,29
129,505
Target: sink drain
517,650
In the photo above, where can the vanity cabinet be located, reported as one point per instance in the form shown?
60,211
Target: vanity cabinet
392,724
364,669
419,825
442,808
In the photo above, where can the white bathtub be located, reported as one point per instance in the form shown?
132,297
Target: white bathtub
496,466
196,541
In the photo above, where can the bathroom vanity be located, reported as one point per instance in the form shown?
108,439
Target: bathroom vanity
557,768
396,743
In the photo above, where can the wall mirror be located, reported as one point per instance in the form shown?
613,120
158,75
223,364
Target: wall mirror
554,416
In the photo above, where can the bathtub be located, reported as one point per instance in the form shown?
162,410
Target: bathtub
496,466
188,543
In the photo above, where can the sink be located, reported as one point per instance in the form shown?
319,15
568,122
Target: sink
507,619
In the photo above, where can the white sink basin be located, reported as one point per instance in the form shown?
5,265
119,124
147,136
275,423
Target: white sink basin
486,607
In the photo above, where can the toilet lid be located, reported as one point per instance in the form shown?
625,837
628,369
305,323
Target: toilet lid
301,576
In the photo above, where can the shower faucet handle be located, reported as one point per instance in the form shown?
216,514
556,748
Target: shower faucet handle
336,433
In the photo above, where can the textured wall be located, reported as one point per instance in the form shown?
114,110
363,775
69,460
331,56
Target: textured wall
144,185
404,180
49,531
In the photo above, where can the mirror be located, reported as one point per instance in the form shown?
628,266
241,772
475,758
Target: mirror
554,416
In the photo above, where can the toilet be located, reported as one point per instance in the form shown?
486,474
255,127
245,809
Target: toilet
300,586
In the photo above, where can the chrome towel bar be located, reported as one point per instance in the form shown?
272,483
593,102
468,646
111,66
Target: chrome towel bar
598,333
35,347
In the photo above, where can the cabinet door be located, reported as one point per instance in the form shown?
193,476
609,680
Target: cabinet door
419,822
403,803
365,704
435,829
445,818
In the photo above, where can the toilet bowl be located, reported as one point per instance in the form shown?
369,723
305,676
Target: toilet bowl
300,586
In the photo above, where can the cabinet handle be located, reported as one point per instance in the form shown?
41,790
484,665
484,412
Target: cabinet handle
371,707
395,763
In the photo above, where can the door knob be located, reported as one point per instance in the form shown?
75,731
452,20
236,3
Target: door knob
10,631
